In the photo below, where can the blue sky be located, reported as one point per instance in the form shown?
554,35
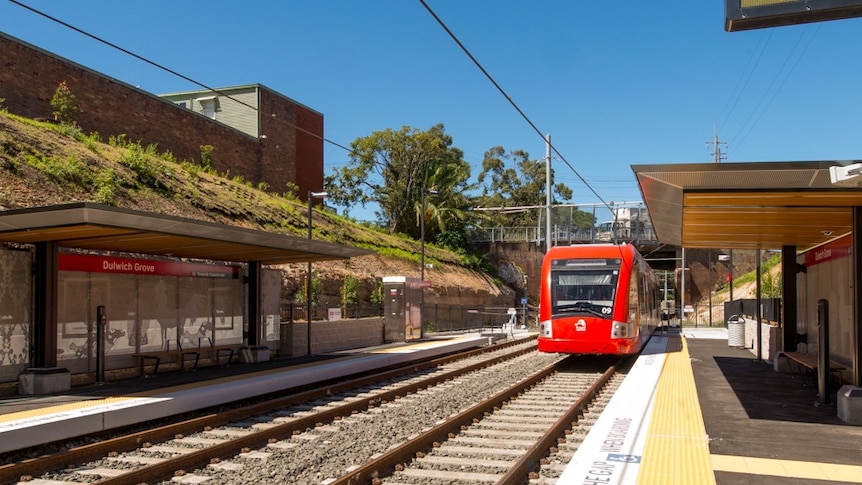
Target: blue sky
615,83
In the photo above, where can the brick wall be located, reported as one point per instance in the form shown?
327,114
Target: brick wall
29,76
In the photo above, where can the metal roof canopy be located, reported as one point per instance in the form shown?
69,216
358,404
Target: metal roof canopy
97,227
759,205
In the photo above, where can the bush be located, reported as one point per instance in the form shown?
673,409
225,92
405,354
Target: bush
63,102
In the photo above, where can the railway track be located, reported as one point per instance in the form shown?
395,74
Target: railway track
104,455
501,440
316,435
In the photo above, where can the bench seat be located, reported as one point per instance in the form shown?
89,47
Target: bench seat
810,362
183,356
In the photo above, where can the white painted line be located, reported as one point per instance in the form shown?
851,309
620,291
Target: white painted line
611,453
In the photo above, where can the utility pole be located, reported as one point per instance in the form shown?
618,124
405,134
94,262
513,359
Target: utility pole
717,156
548,187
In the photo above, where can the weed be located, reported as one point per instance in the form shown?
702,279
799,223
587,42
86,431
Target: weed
69,170
207,157
106,185
136,159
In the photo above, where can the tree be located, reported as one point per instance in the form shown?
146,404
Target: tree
513,179
349,293
392,168
64,105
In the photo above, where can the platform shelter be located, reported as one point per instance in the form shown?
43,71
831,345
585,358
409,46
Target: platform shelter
207,280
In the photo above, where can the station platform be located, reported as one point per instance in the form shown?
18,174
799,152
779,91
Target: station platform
28,421
693,410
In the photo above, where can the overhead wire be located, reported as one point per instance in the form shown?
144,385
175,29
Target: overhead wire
170,71
512,102
780,85
750,67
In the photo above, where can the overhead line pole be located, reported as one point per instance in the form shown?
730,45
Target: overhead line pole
548,185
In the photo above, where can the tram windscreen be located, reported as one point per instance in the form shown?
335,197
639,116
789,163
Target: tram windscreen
584,289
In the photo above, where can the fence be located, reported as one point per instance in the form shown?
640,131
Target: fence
562,235
716,315
438,318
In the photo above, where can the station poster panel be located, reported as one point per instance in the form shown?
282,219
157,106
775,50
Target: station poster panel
15,313
150,304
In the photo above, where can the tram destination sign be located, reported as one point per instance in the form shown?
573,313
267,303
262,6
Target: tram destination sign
758,14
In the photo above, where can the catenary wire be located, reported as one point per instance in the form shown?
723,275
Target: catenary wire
512,102
743,131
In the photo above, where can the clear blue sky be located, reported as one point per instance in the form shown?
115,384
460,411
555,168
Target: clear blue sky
615,83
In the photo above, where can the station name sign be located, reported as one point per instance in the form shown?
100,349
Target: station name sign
837,249
108,264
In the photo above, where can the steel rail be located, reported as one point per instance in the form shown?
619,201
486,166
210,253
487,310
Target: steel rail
384,464
530,460
201,458
35,466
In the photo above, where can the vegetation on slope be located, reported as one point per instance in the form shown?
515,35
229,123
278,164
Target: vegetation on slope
45,163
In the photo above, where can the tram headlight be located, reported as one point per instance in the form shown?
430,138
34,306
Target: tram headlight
546,329
623,330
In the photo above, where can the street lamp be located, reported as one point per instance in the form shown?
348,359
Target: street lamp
311,197
422,259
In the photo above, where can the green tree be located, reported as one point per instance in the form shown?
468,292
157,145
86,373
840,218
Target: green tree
349,292
63,102
392,168
513,179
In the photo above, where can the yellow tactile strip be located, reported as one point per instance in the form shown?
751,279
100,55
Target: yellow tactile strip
787,468
677,447
61,408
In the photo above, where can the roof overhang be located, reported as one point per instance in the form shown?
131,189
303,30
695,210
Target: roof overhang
98,227
760,205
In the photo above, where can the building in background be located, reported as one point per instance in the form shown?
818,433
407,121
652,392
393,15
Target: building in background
254,131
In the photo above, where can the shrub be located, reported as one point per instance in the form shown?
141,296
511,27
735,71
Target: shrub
106,185
63,102
349,292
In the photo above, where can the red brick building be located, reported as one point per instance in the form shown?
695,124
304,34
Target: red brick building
278,141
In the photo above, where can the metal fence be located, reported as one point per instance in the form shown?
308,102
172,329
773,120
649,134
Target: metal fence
438,318
561,235
716,315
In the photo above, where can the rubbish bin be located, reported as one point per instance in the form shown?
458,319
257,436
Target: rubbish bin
735,331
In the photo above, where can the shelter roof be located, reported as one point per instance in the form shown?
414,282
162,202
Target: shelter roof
87,225
759,205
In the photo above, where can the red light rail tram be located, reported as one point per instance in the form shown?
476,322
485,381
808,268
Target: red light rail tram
596,299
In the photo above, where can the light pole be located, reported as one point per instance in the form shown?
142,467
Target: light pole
422,260
311,197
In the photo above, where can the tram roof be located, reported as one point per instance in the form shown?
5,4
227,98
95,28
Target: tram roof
757,205
98,227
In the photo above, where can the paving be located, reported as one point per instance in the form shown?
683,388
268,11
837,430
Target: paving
754,412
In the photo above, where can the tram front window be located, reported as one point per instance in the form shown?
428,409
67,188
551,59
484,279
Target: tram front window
582,291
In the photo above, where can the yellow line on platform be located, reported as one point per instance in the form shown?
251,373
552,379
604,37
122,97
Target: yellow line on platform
60,408
807,470
677,447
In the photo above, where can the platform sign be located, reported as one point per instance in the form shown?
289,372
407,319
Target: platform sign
759,14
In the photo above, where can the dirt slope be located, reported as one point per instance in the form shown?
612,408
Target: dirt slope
43,164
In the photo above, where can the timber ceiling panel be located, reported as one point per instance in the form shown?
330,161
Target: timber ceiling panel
763,205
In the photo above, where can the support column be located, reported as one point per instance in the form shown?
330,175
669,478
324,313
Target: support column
789,297
254,303
856,333
256,350
44,344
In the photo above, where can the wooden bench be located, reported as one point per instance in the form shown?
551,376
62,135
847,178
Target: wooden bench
156,356
219,351
807,362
